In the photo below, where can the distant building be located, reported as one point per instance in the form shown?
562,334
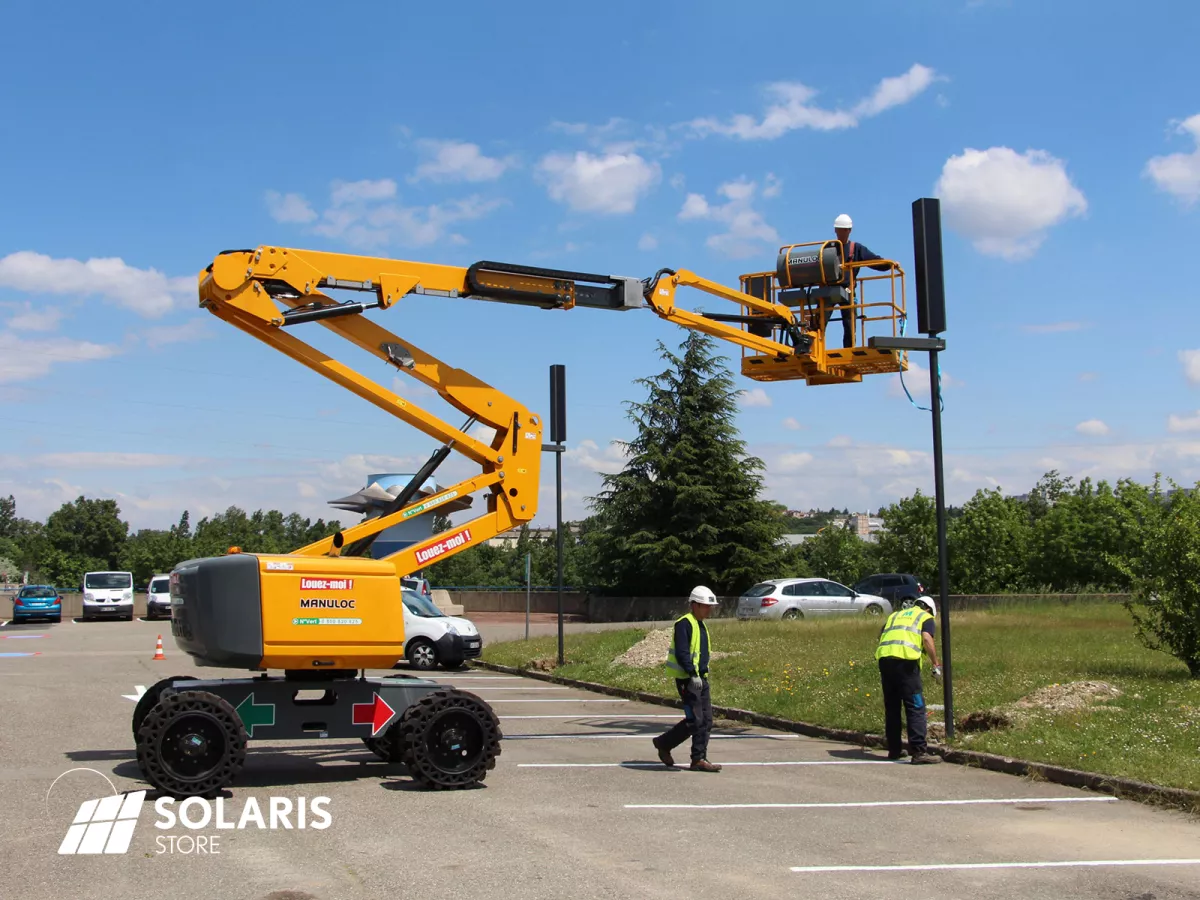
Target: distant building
509,539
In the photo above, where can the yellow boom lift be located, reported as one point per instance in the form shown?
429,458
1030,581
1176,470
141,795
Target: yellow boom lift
325,613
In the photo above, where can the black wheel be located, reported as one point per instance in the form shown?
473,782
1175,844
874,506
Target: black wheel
57,620
873,610
422,654
384,746
448,739
454,666
191,744
793,614
150,699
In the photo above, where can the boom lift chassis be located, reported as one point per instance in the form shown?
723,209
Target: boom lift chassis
191,734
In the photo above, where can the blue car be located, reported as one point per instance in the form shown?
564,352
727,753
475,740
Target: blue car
37,601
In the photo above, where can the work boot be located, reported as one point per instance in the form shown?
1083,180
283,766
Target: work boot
925,759
664,755
703,765
900,754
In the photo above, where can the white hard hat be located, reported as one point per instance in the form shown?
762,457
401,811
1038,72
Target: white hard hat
843,221
703,596
928,603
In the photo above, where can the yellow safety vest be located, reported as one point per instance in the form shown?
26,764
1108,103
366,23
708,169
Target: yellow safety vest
673,665
901,636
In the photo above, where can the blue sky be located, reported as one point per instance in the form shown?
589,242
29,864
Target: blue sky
1062,139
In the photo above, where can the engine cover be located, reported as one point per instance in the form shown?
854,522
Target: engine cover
260,611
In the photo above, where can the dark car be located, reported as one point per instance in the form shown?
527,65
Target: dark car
895,587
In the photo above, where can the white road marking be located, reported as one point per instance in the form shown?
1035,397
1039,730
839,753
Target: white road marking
869,803
519,700
139,690
5,623
517,687
1009,865
642,737
599,716
649,765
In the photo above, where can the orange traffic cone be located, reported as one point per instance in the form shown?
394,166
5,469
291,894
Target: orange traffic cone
158,650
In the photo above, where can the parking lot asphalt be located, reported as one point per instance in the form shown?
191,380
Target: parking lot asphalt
576,807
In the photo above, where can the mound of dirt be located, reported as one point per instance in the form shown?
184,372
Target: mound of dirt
651,651
1071,697
1075,696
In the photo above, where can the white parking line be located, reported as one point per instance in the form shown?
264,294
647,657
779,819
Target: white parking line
649,765
869,803
1008,865
5,623
642,737
517,687
599,716
519,700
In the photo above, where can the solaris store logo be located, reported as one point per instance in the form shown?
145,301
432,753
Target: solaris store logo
106,825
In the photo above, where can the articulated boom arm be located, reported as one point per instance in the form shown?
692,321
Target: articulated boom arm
247,287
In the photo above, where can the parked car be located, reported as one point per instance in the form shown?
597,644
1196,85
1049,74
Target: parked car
158,597
899,589
796,598
108,594
37,601
432,638
420,585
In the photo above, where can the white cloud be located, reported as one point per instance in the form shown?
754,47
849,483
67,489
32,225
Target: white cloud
1054,327
1178,424
610,184
366,214
147,292
1093,428
26,360
1004,201
177,334
88,459
792,462
754,397
458,161
587,454
1191,365
1088,376
1179,173
792,108
33,318
792,424
289,208
917,381
773,186
344,193
647,242
746,231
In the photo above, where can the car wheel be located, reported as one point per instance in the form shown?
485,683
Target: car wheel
873,610
57,620
793,614
422,654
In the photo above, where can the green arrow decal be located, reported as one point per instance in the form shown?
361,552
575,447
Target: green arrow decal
253,714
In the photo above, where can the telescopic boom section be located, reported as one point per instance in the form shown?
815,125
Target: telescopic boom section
268,291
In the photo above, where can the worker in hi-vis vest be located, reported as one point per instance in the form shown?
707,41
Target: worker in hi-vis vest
687,660
904,641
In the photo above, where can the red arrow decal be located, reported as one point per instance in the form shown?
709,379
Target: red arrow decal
377,713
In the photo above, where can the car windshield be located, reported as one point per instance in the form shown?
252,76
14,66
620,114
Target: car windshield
760,590
113,581
38,592
419,606
161,586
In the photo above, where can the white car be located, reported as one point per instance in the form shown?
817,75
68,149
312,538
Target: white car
798,598
108,594
432,638
158,597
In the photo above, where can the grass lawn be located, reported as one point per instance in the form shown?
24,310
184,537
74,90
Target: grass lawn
824,672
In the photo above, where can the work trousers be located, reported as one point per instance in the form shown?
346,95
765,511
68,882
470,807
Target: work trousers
902,689
696,722
847,319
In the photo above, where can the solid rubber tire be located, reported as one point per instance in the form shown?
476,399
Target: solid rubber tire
169,710
421,719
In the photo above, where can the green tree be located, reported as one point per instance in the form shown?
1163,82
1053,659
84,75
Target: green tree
81,536
837,554
685,509
1163,569
1075,538
909,541
988,545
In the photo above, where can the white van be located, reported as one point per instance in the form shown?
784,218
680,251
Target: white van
432,638
108,594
